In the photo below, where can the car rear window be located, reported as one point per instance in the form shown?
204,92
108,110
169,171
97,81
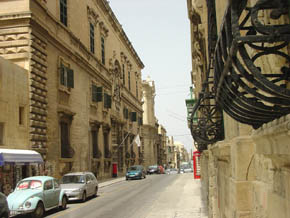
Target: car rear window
29,184
73,179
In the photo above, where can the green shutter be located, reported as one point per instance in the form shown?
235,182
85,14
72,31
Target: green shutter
99,94
109,101
70,78
61,76
133,116
127,113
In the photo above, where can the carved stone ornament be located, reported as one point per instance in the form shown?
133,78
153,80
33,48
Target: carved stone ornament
92,16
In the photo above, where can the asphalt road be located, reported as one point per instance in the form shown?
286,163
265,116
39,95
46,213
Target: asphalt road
128,199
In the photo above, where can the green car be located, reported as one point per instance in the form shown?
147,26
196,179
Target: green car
35,195
136,172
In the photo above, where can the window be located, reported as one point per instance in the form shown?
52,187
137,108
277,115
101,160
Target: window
21,115
48,185
1,133
92,38
129,81
66,76
123,70
103,49
133,116
140,121
107,101
126,113
56,184
65,146
63,11
97,93
95,143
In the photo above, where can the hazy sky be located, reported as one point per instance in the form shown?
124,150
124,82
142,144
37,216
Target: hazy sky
159,30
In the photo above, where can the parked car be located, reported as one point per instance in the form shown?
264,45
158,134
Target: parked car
172,171
79,185
136,172
4,210
36,195
187,170
153,170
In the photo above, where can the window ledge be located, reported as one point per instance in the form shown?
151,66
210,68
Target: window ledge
65,89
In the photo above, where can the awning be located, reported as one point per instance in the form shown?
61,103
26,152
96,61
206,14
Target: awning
17,156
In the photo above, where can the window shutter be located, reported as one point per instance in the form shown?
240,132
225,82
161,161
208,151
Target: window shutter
99,94
109,101
70,78
62,72
94,93
133,116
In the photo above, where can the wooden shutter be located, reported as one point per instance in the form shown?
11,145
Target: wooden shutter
61,76
99,94
133,116
109,101
70,78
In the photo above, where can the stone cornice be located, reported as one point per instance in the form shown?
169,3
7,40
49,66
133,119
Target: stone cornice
107,9
83,56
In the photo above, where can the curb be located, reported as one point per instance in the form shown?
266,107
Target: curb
111,182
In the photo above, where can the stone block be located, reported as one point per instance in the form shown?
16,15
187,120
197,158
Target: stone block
242,159
241,195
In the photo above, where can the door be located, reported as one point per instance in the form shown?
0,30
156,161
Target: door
48,194
56,191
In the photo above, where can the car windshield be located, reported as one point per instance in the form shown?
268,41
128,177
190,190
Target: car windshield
133,168
73,179
153,167
29,184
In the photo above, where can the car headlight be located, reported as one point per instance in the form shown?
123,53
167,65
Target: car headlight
27,204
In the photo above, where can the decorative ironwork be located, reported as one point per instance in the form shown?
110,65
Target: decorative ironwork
249,87
206,121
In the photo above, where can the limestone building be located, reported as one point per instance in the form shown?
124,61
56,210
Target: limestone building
84,107
240,70
150,123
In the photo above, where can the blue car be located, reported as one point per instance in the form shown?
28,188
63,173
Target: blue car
136,172
35,195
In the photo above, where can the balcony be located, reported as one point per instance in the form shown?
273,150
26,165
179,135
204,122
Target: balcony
252,63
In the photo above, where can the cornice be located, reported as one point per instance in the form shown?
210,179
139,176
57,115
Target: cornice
123,35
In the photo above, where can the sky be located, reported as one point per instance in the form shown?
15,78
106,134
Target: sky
159,31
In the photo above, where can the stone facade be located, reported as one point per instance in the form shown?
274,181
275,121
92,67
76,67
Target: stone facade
84,83
247,173
150,126
14,120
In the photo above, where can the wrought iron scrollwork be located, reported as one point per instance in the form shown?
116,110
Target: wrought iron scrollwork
252,71
207,126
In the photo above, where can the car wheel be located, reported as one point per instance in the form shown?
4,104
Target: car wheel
96,192
39,211
84,197
63,203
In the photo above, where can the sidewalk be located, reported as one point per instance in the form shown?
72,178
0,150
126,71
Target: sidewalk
111,181
182,199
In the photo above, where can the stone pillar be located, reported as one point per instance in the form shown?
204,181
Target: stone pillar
241,182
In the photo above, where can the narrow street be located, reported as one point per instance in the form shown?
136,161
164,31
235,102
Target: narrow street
162,196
